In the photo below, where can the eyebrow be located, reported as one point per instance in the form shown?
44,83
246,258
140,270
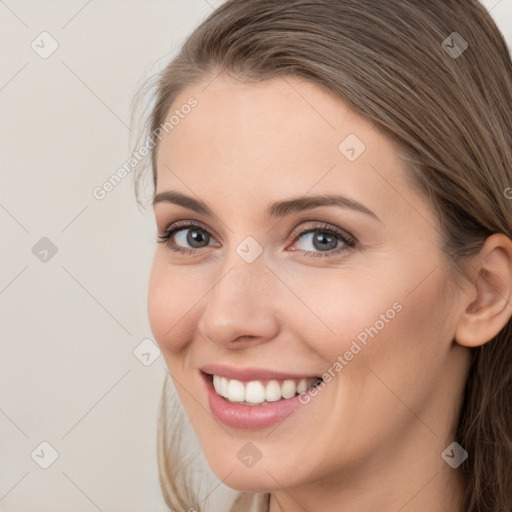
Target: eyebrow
276,209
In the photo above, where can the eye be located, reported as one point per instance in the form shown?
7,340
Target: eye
185,233
323,241
317,241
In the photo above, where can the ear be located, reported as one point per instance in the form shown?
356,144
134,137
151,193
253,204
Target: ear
489,305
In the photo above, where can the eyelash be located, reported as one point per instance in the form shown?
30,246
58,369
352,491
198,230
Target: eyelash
348,240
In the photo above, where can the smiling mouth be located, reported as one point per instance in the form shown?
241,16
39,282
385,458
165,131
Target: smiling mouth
260,392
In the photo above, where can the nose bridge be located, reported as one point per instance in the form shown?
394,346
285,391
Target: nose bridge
240,302
241,283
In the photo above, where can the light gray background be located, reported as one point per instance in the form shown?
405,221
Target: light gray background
69,326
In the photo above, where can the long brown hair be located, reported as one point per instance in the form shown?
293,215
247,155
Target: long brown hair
435,77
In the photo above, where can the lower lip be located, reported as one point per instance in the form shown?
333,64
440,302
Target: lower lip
248,416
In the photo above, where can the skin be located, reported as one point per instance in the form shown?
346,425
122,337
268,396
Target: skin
372,438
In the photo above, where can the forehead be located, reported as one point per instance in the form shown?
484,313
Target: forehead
284,115
281,135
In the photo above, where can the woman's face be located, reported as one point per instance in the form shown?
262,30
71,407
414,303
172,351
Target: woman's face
354,290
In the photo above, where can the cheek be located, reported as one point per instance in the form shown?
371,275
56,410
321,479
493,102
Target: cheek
359,322
402,360
339,308
173,299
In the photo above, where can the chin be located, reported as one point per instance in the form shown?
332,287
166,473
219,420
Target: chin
247,481
262,477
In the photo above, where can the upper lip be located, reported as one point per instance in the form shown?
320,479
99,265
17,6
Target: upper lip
248,374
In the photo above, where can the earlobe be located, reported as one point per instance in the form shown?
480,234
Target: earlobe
489,307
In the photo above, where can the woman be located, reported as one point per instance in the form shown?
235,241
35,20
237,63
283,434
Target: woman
332,287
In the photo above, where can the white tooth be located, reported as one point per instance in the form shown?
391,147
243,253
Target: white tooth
303,386
273,391
236,391
216,384
254,392
288,389
224,387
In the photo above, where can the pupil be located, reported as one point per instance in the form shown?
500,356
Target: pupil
194,237
324,241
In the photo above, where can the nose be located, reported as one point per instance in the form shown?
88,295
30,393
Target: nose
242,305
